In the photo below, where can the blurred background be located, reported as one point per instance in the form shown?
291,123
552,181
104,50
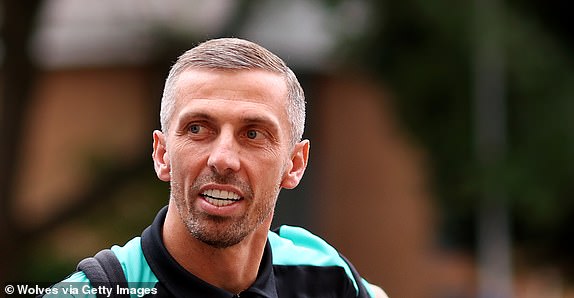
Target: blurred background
441,133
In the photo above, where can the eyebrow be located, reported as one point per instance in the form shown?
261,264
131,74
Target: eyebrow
256,119
245,119
196,115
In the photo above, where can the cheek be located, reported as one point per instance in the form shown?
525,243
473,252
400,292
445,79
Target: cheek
183,164
274,171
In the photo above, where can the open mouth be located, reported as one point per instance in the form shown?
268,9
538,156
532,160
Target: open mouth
220,198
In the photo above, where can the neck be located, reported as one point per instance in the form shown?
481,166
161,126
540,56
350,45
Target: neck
233,268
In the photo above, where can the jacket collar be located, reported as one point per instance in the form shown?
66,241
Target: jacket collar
181,283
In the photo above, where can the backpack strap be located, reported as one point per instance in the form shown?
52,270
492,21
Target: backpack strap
104,269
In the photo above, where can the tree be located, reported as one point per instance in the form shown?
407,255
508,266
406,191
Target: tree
18,75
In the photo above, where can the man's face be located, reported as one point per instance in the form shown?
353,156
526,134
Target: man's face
228,152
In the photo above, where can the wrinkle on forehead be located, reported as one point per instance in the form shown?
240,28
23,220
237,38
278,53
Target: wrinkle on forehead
262,86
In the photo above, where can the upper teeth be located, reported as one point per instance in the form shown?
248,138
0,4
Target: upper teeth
221,194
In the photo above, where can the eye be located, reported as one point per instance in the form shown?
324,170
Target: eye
252,134
195,128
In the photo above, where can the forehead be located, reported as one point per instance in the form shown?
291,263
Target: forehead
261,90
248,85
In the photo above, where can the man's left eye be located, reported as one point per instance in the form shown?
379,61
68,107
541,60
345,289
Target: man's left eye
252,134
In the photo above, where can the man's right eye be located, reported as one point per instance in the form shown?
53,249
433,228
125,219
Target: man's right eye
194,128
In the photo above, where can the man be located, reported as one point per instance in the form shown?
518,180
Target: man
232,119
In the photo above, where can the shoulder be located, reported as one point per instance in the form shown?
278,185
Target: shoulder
295,246
133,261
71,286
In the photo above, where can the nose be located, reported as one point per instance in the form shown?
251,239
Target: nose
224,156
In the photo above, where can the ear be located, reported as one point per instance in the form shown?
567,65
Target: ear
161,157
299,159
